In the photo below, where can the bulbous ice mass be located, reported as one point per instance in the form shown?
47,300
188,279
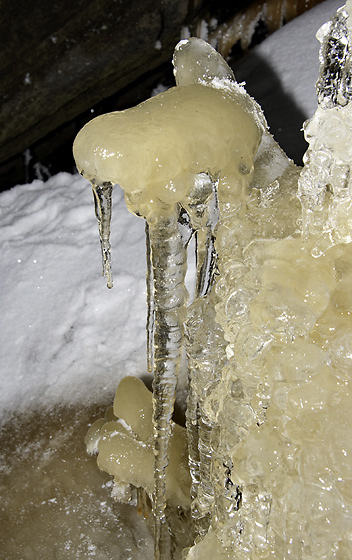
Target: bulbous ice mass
154,150
196,62
124,443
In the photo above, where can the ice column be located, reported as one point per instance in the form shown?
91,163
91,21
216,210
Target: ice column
169,259
160,153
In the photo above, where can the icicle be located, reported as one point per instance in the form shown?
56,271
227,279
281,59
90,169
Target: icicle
205,258
150,302
169,263
202,208
142,505
103,207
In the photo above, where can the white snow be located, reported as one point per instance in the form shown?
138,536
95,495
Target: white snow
64,336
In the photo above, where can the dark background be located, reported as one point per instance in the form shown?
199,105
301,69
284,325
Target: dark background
63,62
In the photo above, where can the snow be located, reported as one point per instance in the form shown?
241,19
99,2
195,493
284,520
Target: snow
66,338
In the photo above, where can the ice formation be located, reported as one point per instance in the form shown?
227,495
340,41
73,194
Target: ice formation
124,443
269,333
159,153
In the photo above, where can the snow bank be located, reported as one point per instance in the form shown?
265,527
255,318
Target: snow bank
64,336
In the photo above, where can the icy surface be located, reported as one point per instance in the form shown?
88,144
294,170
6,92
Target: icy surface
277,416
325,185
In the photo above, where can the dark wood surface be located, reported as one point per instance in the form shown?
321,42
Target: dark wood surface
60,58
63,61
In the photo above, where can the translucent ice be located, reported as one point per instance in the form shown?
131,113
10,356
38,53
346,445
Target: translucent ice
325,184
170,138
268,335
195,62
102,199
155,152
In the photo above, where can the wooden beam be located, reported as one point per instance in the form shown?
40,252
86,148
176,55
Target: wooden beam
56,63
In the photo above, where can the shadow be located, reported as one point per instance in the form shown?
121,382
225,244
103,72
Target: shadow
284,117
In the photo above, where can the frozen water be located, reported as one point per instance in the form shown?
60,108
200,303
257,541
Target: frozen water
103,207
210,64
281,73
99,353
51,225
155,151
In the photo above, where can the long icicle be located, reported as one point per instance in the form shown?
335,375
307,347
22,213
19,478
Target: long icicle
169,263
150,303
203,210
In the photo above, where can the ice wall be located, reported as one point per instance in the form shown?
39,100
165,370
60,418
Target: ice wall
280,415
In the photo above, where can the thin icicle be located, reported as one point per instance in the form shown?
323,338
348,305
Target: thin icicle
202,208
103,208
205,259
150,303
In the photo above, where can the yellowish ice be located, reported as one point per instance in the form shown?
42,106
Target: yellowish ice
269,340
124,442
170,139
